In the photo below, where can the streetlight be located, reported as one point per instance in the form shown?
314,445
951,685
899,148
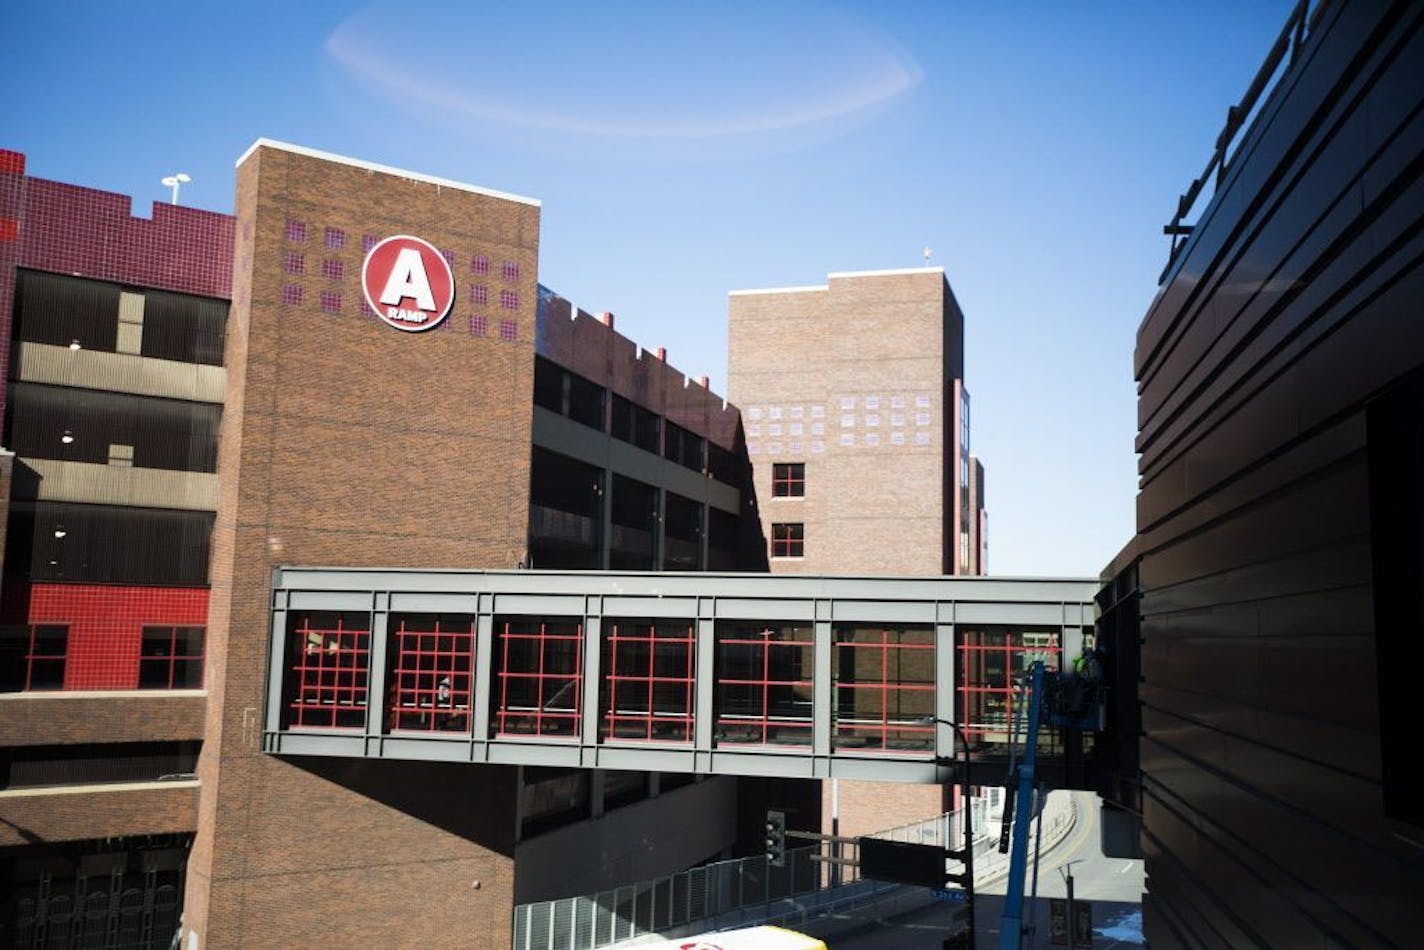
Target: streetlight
962,746
173,181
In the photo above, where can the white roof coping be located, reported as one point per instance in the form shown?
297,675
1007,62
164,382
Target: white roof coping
887,273
383,169
780,290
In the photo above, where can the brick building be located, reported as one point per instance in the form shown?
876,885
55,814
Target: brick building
857,422
145,357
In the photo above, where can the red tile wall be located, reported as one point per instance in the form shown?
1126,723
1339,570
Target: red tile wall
106,626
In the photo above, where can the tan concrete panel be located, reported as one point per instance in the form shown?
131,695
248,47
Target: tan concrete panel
122,484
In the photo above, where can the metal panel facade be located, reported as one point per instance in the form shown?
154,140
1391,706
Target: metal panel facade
1292,307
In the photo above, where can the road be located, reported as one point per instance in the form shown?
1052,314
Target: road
1112,884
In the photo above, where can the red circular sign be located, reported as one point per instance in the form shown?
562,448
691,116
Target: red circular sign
408,283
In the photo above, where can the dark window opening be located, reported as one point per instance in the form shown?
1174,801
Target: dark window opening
62,310
763,684
431,664
683,447
565,513
884,689
635,425
103,428
184,327
59,765
538,677
107,544
171,658
32,657
646,693
634,529
569,394
682,533
328,669
723,465
788,540
788,480
723,530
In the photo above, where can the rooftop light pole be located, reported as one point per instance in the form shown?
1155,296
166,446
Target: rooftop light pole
173,181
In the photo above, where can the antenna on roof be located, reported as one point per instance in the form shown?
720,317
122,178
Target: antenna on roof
928,253
173,181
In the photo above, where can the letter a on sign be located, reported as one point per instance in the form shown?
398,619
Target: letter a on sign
408,283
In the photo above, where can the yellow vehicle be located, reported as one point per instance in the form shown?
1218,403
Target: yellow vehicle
750,938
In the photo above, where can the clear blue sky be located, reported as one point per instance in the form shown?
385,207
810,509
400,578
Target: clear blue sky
683,150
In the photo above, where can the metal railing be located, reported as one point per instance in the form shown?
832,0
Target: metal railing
749,891
1298,27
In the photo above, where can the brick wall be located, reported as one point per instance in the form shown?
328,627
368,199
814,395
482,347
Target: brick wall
348,442
66,718
855,380
88,812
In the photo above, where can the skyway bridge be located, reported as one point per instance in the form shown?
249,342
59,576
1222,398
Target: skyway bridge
736,674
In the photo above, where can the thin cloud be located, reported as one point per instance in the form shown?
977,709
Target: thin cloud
828,74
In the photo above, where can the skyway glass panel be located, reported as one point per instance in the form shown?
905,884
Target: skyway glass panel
884,689
763,684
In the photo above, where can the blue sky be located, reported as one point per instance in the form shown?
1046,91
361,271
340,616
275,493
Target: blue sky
683,150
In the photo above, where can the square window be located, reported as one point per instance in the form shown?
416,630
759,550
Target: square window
788,540
818,428
788,480
922,438
872,402
847,421
796,428
774,412
508,330
753,448
294,263
818,412
335,239
798,412
922,418
33,657
847,438
897,402
872,420
773,448
368,241
922,402
847,402
897,418
872,438
754,429
479,295
171,658
509,300
897,438
754,412
330,301
479,326
773,428
480,265
292,295
332,269
296,230
818,447
510,270
449,258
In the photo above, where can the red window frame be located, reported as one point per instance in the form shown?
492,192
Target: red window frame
329,670
169,662
758,676
431,674
981,693
546,655
891,706
788,539
788,480
648,681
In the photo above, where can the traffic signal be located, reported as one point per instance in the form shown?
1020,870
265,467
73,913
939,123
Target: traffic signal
776,838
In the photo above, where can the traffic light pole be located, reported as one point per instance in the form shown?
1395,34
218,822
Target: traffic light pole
967,855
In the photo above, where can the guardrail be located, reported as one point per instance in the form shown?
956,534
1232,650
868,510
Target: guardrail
748,891
1299,25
